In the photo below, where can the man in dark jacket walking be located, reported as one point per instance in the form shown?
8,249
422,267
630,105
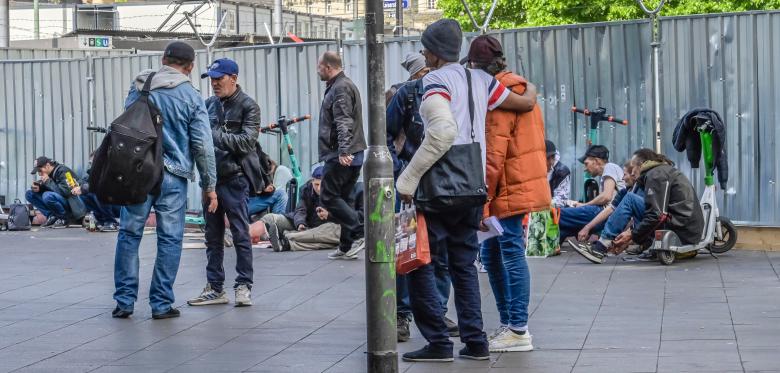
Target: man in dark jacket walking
341,146
52,195
235,125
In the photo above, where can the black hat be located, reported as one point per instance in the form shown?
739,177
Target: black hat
596,151
550,146
443,38
180,50
483,49
40,162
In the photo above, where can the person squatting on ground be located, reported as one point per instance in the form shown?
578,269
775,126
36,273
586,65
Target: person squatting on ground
105,215
610,181
52,194
449,120
306,228
558,175
341,146
516,175
275,196
187,140
405,133
235,126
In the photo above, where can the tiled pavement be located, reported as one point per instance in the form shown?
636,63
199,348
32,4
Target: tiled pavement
700,315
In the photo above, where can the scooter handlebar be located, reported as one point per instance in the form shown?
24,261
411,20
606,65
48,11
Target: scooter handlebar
97,129
272,126
609,118
580,111
616,120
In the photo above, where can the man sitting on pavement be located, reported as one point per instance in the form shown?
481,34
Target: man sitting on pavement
610,180
274,198
106,216
52,194
558,175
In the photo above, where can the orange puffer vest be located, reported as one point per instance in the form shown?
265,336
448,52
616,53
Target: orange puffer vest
516,158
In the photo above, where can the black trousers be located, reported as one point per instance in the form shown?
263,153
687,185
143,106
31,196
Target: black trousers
338,182
232,197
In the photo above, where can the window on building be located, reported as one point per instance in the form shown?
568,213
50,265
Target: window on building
328,7
431,4
348,5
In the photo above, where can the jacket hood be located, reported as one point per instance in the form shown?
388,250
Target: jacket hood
166,77
649,165
514,82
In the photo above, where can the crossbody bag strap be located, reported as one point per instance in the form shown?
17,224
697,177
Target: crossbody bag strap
471,102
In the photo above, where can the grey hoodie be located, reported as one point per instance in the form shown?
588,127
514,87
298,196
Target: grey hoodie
166,77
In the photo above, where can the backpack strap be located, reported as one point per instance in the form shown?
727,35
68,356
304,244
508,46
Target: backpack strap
148,84
471,103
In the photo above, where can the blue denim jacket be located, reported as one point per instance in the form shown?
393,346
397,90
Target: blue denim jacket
186,132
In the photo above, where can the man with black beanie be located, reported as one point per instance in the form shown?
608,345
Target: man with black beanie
447,117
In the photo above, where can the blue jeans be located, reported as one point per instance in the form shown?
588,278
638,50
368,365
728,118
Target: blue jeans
573,219
49,203
456,234
104,213
631,206
169,209
442,274
504,260
276,201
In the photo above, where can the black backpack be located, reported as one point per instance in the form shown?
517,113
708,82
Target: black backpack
19,217
128,166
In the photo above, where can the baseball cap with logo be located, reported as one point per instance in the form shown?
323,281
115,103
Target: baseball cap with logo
220,68
40,162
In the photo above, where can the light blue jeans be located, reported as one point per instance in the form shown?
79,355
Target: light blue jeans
276,201
507,268
169,209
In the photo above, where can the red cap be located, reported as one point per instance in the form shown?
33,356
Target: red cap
484,49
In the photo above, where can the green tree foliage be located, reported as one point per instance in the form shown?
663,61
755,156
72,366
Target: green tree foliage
519,13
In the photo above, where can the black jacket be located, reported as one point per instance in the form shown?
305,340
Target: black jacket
559,174
58,183
665,185
235,126
403,117
341,120
687,138
306,211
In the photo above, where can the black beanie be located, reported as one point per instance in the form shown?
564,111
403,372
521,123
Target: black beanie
443,38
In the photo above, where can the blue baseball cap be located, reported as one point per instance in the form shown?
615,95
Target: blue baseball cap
220,68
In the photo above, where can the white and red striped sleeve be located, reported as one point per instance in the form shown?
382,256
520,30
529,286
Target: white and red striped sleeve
497,93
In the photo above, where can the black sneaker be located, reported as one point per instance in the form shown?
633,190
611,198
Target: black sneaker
273,235
452,327
473,352
647,256
403,328
49,222
584,249
119,313
167,315
108,227
426,354
59,224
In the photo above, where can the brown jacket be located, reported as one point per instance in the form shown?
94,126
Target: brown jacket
516,158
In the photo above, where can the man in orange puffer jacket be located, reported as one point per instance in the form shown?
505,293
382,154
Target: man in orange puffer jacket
516,175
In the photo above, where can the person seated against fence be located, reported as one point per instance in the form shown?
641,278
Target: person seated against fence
610,180
274,198
106,216
670,202
52,194
558,175
307,228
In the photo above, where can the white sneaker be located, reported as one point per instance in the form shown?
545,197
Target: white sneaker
497,332
338,254
509,341
208,296
357,246
243,296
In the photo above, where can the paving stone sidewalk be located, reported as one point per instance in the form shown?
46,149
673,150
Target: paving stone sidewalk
699,315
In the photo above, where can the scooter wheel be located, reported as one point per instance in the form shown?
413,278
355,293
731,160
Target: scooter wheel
665,257
728,239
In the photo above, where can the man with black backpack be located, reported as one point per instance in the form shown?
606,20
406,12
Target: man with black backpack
235,125
187,143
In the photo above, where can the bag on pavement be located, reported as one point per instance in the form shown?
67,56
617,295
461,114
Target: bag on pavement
412,250
128,166
19,217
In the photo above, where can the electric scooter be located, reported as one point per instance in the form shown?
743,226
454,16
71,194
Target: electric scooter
281,127
591,186
719,235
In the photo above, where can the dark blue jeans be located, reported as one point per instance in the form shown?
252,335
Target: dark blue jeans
104,213
49,203
456,234
504,260
232,197
573,219
631,206
442,274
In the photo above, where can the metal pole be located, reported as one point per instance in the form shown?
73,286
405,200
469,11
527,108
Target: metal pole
380,203
655,29
5,29
277,18
399,18
36,21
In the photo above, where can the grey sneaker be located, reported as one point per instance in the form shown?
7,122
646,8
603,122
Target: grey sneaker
228,239
357,246
243,296
273,236
584,249
208,296
497,332
59,224
338,254
108,227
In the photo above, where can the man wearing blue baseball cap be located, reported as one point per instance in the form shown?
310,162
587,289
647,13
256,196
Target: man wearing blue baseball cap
235,125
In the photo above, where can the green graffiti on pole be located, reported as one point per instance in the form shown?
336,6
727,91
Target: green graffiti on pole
376,215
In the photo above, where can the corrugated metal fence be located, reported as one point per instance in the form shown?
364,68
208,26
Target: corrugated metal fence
712,61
